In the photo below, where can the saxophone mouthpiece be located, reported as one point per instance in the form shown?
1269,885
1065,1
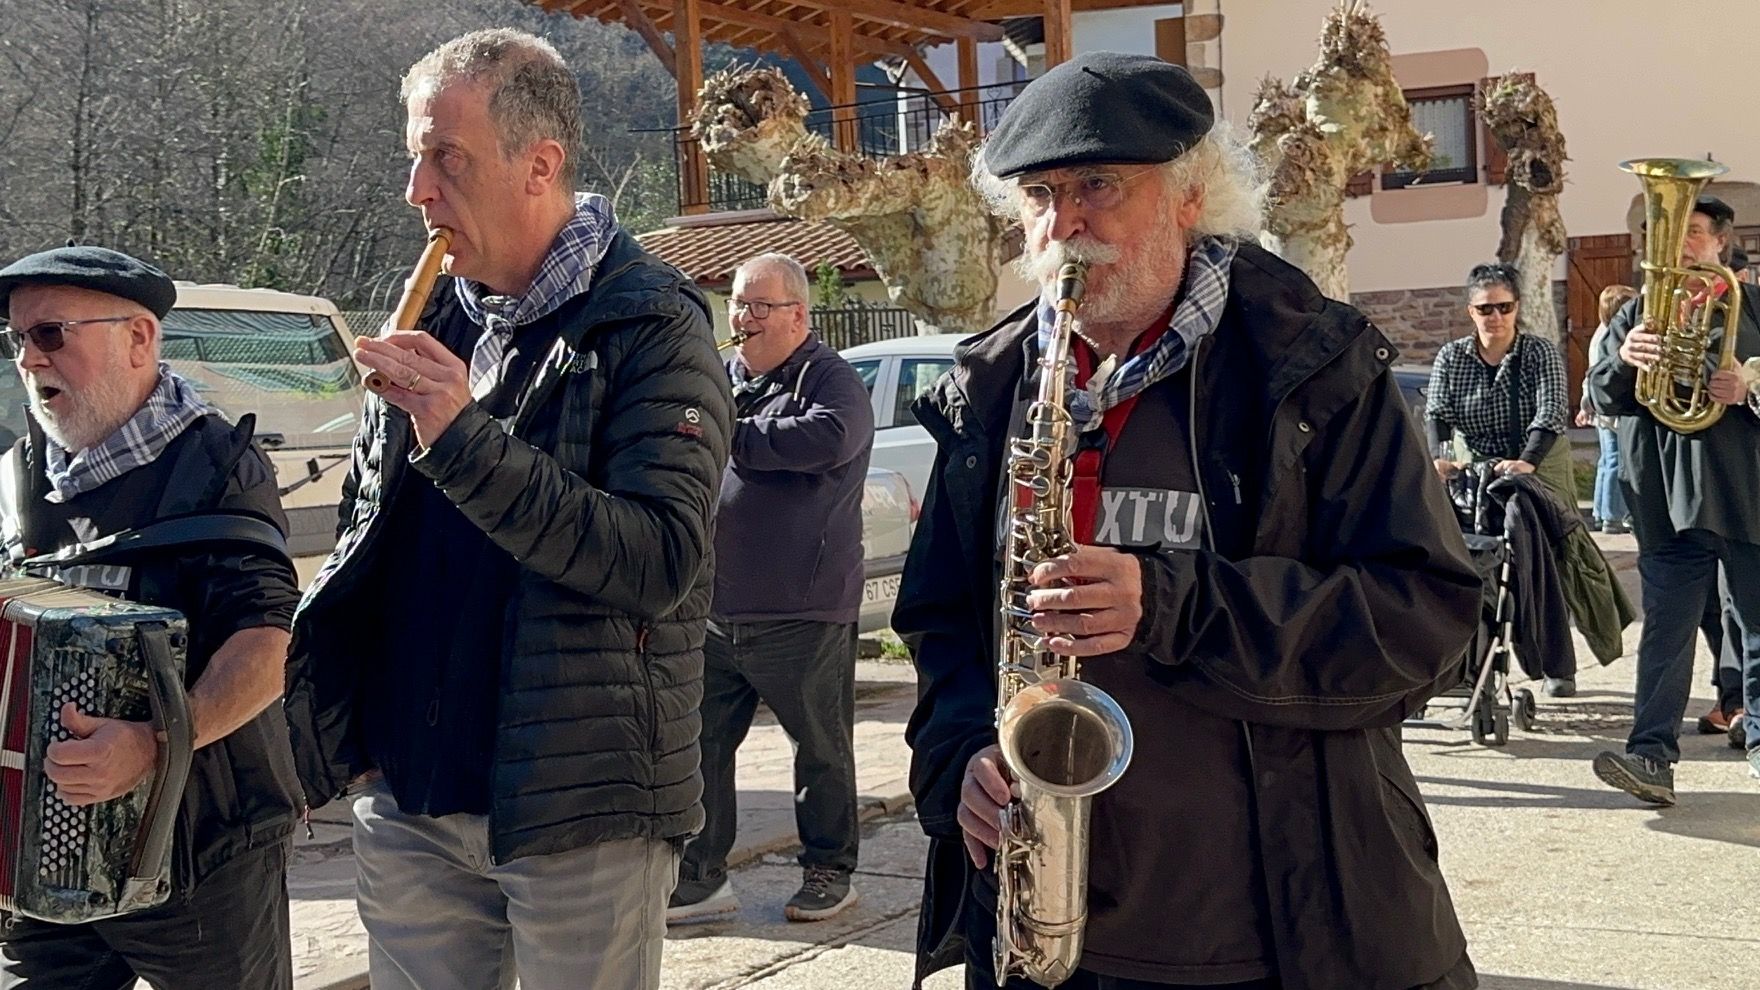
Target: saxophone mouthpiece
1072,281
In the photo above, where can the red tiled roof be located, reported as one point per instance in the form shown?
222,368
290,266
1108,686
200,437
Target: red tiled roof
710,253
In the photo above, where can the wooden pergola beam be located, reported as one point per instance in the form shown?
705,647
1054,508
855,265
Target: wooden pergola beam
968,78
938,93
843,81
687,36
997,9
637,19
810,65
917,18
807,32
1056,14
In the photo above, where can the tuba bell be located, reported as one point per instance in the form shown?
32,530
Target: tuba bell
1675,389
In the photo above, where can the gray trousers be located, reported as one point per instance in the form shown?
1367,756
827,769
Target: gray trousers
440,916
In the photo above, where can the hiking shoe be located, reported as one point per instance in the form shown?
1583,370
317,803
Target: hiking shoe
824,892
1738,733
1559,687
1717,721
697,901
1640,776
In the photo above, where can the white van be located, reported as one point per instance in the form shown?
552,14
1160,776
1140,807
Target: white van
286,358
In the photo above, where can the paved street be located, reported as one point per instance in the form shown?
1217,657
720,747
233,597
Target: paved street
1562,883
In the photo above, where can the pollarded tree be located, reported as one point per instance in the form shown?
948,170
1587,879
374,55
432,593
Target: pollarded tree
1343,116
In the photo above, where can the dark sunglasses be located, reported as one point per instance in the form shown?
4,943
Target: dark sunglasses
48,337
1486,309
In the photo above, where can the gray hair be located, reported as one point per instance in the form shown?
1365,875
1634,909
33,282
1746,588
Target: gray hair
532,94
1231,176
794,276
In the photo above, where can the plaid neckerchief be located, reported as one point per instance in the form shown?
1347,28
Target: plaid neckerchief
1196,318
567,271
170,410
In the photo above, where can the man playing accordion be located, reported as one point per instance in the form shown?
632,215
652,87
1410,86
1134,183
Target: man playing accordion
117,442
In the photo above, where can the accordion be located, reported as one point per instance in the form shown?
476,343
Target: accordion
113,659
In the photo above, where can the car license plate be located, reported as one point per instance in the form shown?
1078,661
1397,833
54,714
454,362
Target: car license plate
876,590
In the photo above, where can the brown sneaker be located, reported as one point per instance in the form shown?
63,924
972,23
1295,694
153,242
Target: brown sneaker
1716,721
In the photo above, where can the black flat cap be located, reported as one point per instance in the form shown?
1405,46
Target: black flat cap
95,268
1715,208
1100,108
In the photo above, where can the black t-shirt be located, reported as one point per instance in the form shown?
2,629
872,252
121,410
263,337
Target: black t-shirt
242,791
429,708
1173,838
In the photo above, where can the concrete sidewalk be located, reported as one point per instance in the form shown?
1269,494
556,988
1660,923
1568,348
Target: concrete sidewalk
1557,877
330,947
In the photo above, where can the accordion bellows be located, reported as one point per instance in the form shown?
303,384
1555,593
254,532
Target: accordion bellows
114,659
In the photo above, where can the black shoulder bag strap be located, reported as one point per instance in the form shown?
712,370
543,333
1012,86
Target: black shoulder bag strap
205,531
1517,423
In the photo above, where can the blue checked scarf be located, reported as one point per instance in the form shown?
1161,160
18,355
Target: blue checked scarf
170,410
567,271
1206,279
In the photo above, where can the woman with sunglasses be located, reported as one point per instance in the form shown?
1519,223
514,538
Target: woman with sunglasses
1502,392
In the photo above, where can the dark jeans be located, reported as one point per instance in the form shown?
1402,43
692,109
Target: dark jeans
231,934
1723,637
1683,570
806,673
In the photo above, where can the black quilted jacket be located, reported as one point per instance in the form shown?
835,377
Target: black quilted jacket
603,487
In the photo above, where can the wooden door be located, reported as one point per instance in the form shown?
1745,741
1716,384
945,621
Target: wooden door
1592,264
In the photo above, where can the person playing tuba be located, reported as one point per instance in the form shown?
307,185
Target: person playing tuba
1695,500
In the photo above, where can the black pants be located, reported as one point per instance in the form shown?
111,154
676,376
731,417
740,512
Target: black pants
231,935
805,672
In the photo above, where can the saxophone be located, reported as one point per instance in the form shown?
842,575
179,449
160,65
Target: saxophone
1063,741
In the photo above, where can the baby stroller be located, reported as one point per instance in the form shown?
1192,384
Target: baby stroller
1487,704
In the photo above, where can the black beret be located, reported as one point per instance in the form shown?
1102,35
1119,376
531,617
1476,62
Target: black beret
1100,108
1715,208
95,268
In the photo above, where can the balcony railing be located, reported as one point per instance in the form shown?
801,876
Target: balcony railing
843,328
875,129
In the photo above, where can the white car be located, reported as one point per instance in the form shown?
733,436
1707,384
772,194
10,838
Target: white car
896,372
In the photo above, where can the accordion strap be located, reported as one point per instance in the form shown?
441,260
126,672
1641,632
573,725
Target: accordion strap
209,530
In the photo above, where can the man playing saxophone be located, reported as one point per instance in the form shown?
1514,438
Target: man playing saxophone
1264,577
1695,500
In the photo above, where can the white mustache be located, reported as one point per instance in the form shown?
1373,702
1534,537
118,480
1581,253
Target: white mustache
1045,265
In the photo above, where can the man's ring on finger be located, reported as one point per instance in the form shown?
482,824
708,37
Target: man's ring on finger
415,380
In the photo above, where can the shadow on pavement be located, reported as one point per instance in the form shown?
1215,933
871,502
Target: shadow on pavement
1715,816
1491,981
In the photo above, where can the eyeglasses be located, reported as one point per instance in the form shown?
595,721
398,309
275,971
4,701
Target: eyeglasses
48,337
758,309
1096,190
1486,309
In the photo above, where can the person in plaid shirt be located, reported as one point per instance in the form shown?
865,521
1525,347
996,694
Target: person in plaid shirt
1473,377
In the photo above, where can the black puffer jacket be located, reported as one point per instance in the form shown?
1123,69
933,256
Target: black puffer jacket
1347,602
603,487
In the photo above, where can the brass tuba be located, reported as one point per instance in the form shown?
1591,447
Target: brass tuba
1064,741
1675,389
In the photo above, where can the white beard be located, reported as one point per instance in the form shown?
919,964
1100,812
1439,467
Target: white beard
1122,300
89,416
